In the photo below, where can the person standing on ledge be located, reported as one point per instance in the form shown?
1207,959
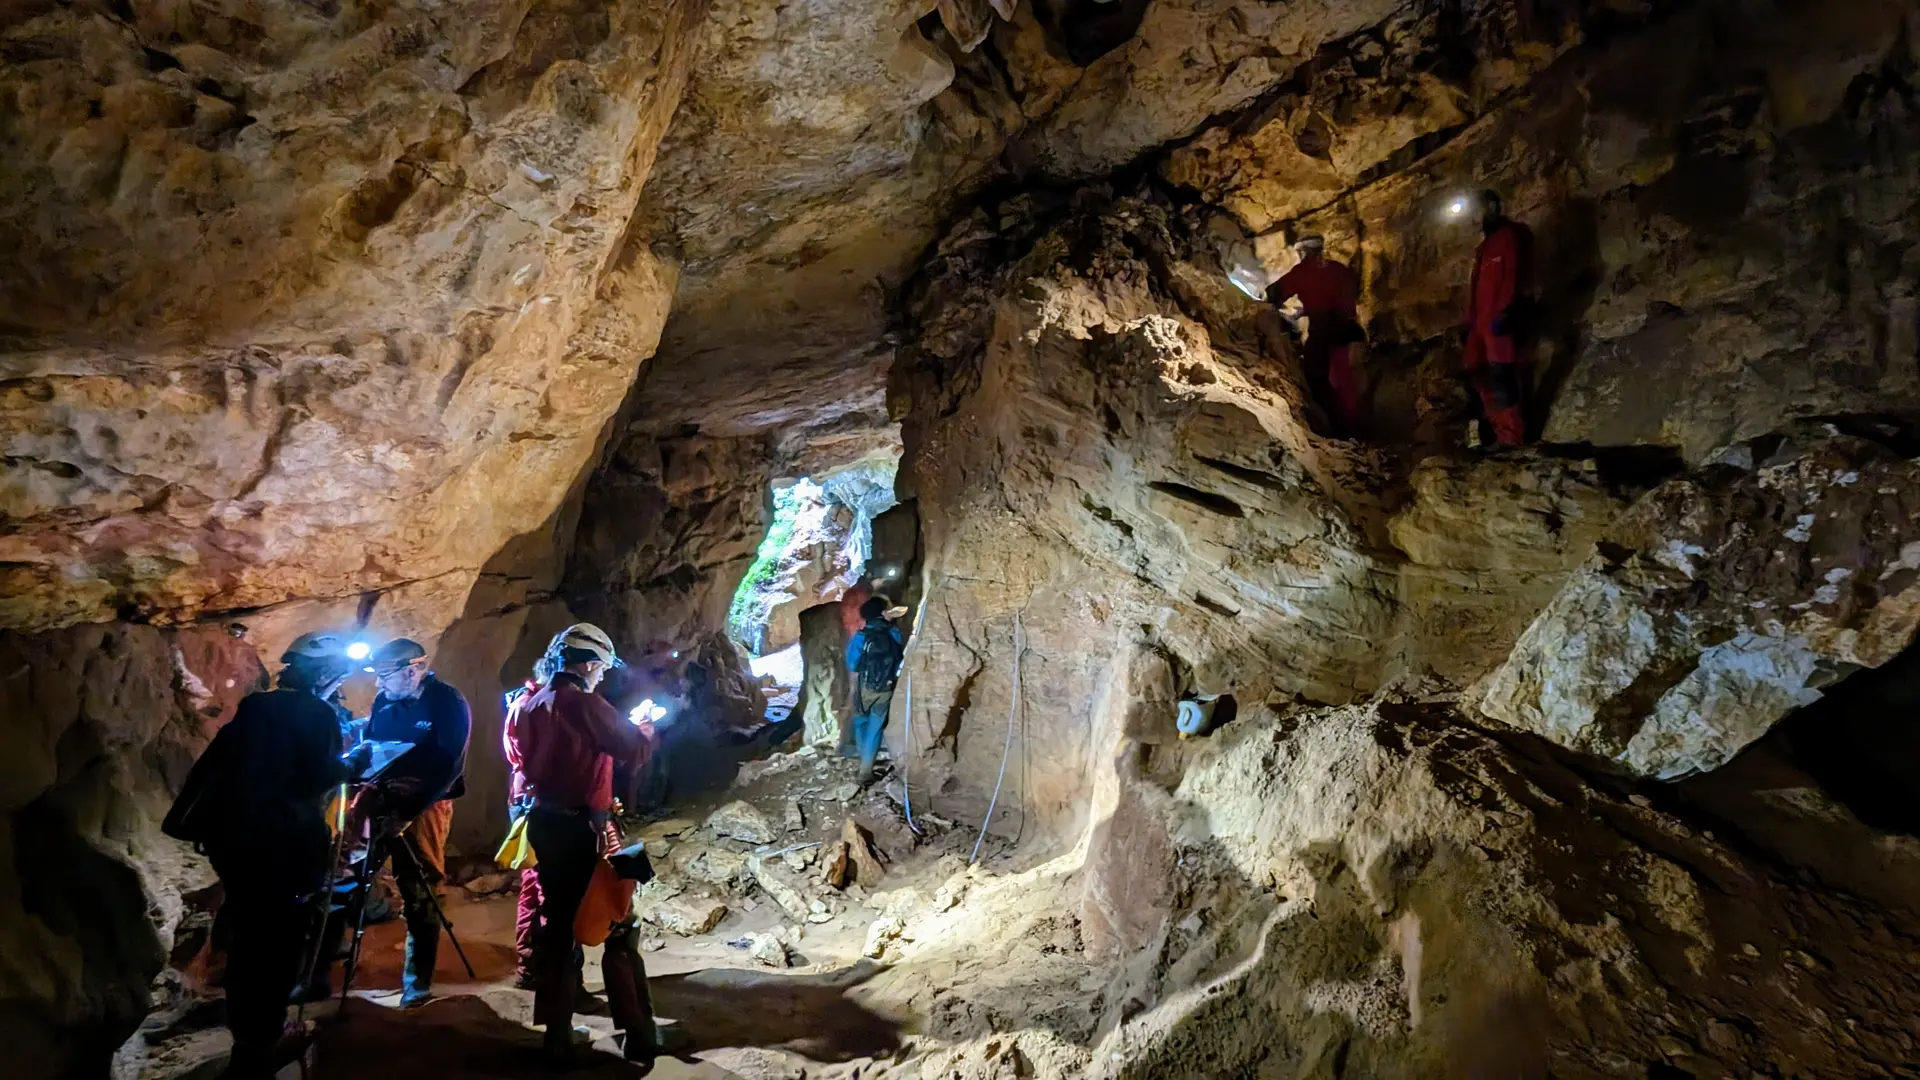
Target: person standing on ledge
1329,293
1495,310
255,803
873,660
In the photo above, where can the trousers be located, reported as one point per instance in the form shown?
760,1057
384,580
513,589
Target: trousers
870,723
1331,376
418,870
268,918
1492,364
568,846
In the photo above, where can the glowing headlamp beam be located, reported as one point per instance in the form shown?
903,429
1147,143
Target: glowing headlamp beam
359,650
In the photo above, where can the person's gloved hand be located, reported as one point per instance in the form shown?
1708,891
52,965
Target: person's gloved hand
358,758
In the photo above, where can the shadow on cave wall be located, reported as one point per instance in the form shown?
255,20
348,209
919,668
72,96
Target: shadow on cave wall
1862,744
92,903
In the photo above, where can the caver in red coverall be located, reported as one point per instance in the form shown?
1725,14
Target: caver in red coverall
1492,363
1329,293
562,741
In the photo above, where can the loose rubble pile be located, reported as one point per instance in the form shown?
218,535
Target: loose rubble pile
799,843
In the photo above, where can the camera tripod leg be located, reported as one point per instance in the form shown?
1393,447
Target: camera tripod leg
420,872
368,868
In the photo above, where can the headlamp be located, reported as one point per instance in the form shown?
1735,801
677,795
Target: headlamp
359,650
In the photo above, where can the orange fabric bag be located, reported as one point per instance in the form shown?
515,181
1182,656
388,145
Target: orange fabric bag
609,900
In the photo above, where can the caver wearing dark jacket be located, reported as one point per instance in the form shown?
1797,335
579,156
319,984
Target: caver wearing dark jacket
255,802
411,804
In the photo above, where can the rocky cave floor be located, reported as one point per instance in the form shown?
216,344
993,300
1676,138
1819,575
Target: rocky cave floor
742,891
800,928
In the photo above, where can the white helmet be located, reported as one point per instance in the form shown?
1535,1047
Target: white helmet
590,638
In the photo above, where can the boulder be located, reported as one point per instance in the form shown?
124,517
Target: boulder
742,821
684,915
781,888
868,869
882,932
768,950
1470,907
710,863
1722,601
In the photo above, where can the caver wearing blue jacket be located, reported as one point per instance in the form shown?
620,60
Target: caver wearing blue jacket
873,660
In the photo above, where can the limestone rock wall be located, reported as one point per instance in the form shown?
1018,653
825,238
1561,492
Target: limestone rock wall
1387,891
103,722
1100,448
313,317
1721,602
1721,195
668,527
312,301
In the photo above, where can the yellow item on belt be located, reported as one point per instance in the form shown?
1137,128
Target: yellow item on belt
337,810
516,851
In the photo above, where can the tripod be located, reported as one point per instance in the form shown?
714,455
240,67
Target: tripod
386,844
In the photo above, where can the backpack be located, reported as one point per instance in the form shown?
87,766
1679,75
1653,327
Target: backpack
880,655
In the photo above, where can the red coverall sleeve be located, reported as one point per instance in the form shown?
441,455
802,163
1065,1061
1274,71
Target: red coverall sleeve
615,735
1286,288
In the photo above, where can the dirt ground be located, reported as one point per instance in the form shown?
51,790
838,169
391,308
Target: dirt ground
833,1010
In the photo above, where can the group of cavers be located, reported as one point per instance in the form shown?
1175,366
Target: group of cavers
1328,293
292,803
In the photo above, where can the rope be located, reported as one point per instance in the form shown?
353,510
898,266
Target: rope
1013,710
906,759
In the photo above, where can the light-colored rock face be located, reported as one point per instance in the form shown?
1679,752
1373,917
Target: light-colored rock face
1720,603
1722,207
313,304
1388,888
1100,448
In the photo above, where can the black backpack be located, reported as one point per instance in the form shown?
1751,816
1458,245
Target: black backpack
880,654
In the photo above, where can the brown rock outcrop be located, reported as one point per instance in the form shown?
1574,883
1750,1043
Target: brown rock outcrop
1722,601
1390,889
667,529
102,722
1099,446
313,303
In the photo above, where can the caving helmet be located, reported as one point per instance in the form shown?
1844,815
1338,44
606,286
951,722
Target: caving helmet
589,638
315,659
396,653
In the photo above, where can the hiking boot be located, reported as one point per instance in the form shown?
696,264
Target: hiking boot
413,999
641,1045
524,980
312,993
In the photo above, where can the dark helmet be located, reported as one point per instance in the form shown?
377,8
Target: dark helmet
396,654
315,659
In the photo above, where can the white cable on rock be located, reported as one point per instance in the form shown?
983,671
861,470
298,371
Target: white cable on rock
906,758
1013,710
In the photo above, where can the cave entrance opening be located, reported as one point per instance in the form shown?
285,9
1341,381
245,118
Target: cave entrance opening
818,544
